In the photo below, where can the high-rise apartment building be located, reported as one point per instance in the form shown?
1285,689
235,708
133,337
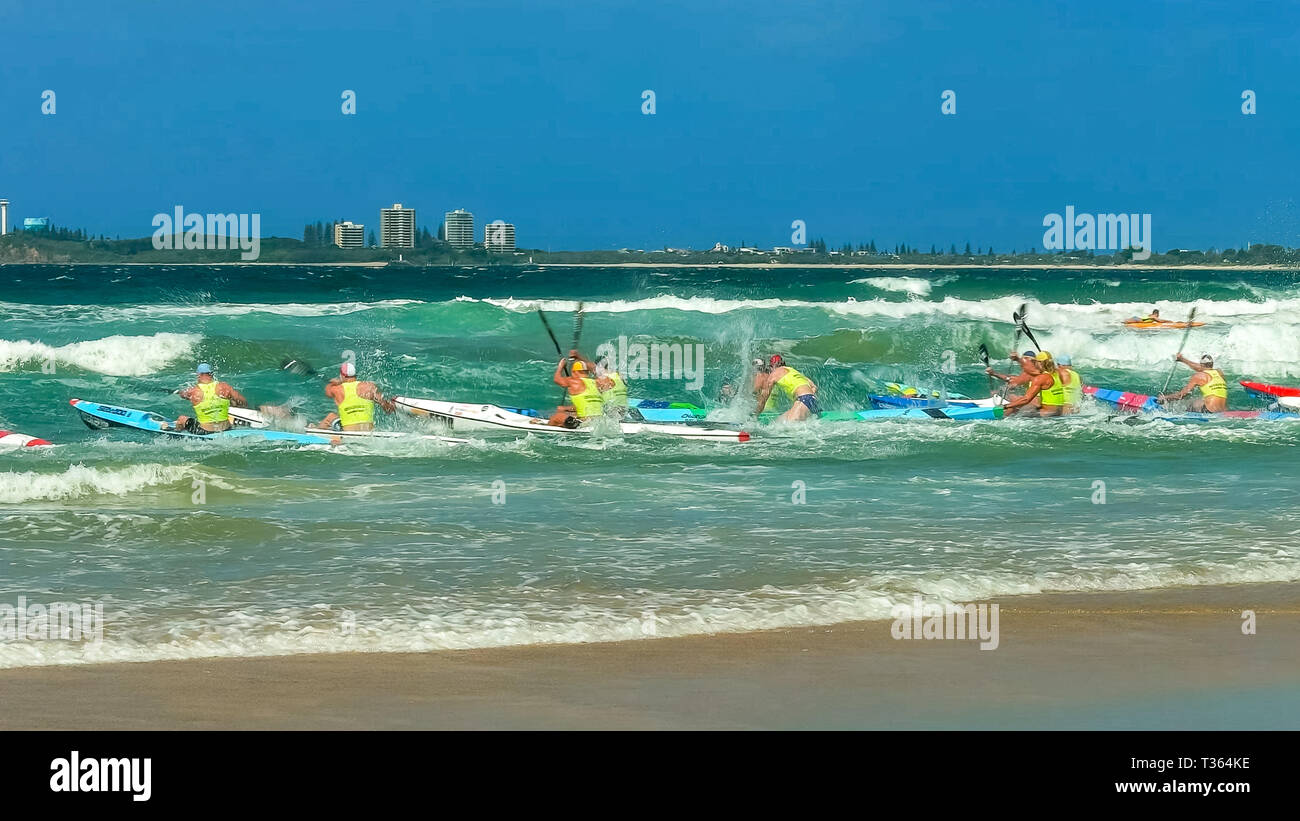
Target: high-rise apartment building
349,235
397,227
458,228
499,236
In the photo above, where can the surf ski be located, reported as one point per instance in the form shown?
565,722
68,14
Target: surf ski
9,439
1125,400
98,416
465,416
253,419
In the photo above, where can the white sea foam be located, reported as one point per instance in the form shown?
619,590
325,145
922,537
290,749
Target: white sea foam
707,305
910,285
444,624
113,355
1256,338
1243,337
993,310
79,481
111,313
1109,316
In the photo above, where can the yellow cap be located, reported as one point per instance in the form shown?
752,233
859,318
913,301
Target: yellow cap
578,366
1043,356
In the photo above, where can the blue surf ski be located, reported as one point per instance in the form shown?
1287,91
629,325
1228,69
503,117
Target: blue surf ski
101,417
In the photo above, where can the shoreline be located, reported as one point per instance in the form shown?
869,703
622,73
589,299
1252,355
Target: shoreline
1174,658
884,266
920,266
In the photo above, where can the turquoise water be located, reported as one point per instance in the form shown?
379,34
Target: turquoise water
401,546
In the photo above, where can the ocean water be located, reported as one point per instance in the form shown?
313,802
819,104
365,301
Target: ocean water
414,545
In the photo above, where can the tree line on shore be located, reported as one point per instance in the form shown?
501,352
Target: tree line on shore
56,244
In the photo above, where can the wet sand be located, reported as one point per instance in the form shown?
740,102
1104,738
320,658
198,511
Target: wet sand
1168,659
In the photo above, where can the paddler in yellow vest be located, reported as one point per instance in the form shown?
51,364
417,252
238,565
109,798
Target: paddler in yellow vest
1045,395
1208,380
610,383
799,389
1028,370
356,401
212,400
1071,382
761,370
612,386
578,380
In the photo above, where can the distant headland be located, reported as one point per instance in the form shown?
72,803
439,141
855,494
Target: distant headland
63,247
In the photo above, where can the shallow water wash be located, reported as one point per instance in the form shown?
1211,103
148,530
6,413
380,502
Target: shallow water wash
228,549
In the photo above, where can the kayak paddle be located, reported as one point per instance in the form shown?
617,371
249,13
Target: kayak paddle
577,334
297,366
1181,346
1024,328
558,351
1018,317
984,357
577,325
303,368
292,365
549,332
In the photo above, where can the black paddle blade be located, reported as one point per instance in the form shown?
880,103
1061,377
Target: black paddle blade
1182,346
577,323
1018,317
1022,328
1187,332
547,325
984,355
1030,334
297,366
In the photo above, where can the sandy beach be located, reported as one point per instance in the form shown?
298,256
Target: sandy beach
1165,659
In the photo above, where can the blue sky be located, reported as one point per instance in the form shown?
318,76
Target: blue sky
767,112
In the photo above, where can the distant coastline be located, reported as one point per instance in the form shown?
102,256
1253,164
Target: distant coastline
856,266
33,248
912,266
